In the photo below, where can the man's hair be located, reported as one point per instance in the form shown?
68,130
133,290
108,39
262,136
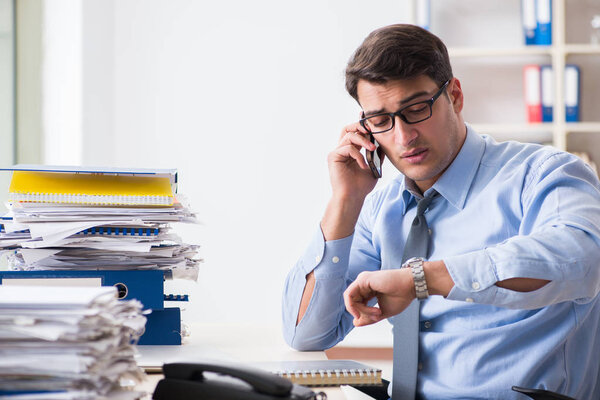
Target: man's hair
398,52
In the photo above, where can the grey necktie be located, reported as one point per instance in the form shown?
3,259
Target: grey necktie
406,324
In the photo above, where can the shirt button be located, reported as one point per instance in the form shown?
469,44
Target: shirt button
335,259
317,259
420,366
475,285
427,324
429,231
469,300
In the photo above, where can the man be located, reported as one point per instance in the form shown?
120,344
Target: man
511,274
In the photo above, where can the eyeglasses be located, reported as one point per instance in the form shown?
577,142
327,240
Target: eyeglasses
411,114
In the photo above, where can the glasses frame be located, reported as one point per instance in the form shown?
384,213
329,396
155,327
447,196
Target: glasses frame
429,102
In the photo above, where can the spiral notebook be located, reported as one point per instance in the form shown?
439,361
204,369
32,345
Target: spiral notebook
92,186
325,372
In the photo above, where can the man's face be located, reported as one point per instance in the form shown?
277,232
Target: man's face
424,150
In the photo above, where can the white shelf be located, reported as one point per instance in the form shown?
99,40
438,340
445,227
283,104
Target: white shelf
582,49
523,50
582,127
532,133
500,52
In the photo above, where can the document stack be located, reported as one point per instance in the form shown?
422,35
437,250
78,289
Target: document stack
109,227
71,343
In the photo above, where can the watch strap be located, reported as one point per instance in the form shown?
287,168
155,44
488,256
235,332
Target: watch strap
416,266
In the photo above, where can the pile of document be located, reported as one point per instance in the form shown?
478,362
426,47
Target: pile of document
68,343
62,230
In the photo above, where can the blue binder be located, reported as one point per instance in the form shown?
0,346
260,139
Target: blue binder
547,87
543,12
529,21
423,13
145,286
163,325
572,92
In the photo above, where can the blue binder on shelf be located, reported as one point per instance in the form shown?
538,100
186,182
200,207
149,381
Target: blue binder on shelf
572,92
529,21
163,325
547,88
543,13
423,13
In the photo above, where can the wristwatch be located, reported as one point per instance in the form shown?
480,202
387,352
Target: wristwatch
416,266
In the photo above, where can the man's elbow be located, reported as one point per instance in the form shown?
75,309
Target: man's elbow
305,341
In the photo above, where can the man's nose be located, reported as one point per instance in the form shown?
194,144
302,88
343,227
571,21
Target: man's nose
404,134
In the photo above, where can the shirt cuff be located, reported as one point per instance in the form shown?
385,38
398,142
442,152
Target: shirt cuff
474,276
328,259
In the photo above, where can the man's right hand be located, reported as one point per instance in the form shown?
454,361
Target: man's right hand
349,172
351,181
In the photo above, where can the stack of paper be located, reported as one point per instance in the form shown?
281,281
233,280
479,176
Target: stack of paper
68,219
68,343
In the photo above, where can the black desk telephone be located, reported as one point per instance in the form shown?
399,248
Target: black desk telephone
186,381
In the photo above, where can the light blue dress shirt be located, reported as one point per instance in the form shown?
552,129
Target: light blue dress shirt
506,210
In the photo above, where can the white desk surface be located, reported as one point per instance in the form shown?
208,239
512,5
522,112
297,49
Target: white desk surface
242,343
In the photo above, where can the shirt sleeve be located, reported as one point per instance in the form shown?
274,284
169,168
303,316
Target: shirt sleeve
336,263
558,240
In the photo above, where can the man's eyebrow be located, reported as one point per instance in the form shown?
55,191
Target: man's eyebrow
400,103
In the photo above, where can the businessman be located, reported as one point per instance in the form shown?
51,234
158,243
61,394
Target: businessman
484,256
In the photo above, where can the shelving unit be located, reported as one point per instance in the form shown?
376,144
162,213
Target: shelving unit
557,55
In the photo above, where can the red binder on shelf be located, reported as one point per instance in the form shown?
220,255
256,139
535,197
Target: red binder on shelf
532,92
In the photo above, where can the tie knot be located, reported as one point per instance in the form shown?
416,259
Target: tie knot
425,201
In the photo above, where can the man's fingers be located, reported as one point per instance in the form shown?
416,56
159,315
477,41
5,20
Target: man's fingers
367,319
358,140
349,151
352,128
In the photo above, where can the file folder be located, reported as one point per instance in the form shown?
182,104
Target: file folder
543,12
82,185
531,82
163,327
529,21
170,173
423,13
145,286
572,95
547,87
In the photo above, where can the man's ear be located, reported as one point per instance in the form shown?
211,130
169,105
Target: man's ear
456,95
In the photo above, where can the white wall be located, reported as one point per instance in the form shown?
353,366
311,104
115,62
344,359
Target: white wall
62,82
245,99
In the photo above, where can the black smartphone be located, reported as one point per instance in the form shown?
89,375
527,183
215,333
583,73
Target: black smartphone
374,158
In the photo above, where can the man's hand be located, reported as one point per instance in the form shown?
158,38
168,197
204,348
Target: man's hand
351,181
393,288
349,172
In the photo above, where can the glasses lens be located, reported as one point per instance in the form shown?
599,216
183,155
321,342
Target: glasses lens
379,123
417,112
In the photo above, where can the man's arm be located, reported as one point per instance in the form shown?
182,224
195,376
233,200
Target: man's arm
351,181
395,290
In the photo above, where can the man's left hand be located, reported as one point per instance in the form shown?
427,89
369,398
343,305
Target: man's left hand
393,288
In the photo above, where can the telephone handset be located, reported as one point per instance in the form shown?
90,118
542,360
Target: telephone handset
189,381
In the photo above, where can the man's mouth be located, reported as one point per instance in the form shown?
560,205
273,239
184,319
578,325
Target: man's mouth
413,154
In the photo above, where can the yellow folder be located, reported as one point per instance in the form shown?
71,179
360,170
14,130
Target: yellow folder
90,188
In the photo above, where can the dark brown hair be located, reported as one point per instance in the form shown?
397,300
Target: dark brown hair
398,52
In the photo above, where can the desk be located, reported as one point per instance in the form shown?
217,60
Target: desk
235,342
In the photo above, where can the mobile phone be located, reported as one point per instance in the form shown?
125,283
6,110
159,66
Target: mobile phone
374,158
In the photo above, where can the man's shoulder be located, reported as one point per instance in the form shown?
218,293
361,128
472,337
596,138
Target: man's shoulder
511,153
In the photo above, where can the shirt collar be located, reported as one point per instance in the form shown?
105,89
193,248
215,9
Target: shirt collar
455,182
